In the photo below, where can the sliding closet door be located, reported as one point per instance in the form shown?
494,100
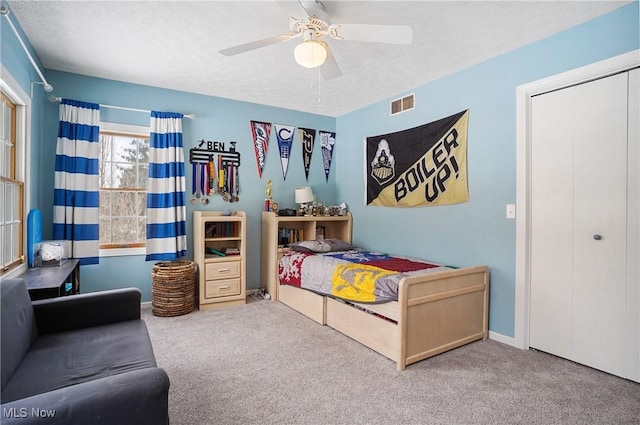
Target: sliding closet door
579,223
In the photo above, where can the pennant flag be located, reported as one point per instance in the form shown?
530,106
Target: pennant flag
307,136
422,166
327,141
284,133
260,131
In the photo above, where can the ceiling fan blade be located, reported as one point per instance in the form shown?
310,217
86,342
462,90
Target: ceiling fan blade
329,69
241,48
394,34
293,8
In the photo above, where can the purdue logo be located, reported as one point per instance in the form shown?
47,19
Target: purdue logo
383,164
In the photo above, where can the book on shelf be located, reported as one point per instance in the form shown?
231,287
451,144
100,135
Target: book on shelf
215,252
226,229
287,235
231,251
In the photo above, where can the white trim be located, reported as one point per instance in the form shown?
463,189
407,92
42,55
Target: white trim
502,338
23,132
122,252
524,93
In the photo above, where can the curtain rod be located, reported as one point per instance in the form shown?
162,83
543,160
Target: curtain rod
123,108
4,11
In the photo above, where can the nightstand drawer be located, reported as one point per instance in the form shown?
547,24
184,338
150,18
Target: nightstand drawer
223,270
222,288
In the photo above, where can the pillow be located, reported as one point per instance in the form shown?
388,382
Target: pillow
321,245
338,245
309,246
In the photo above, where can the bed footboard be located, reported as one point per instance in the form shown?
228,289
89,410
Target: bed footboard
440,311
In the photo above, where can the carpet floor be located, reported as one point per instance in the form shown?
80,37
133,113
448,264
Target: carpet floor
264,363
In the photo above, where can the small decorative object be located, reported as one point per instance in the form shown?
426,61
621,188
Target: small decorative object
303,195
267,200
334,210
274,207
287,212
50,253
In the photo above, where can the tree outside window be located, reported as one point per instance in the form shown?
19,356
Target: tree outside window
124,170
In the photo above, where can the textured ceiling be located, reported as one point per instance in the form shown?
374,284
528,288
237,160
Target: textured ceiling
175,44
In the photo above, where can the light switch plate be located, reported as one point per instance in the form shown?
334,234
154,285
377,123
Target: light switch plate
511,211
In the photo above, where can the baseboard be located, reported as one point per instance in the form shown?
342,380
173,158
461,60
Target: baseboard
502,338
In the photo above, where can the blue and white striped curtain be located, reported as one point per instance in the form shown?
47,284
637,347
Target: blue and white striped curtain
166,191
76,211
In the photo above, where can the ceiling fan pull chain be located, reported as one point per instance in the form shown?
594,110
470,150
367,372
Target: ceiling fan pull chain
319,86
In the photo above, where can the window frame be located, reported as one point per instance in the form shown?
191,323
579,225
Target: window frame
131,130
22,101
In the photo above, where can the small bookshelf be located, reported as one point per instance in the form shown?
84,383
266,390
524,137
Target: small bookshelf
220,252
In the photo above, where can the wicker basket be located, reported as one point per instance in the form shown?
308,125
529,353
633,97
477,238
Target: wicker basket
173,288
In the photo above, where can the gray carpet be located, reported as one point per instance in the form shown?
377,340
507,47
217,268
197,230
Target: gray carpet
263,363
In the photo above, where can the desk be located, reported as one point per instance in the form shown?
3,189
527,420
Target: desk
53,281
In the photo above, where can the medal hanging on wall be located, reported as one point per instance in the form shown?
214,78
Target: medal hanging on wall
204,184
194,182
212,174
233,178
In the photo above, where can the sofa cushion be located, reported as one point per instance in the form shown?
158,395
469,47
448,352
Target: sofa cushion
18,326
68,358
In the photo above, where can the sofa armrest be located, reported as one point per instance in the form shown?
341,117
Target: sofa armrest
72,312
131,398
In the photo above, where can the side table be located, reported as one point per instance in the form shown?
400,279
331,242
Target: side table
53,281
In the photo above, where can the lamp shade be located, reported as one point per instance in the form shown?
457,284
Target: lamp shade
310,54
303,195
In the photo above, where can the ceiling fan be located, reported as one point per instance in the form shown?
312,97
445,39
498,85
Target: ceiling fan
309,21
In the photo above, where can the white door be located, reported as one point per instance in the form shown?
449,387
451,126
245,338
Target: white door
579,210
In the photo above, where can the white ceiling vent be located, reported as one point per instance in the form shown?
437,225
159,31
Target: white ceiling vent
403,104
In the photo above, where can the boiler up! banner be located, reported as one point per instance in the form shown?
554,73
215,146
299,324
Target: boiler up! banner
421,166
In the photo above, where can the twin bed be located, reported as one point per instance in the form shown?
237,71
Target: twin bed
405,309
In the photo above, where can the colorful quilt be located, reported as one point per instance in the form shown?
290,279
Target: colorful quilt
354,275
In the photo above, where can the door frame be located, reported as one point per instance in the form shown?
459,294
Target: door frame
524,93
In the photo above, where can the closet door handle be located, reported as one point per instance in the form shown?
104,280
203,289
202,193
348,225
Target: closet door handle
597,237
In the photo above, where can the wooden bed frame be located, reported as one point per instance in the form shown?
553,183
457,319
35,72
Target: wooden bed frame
434,313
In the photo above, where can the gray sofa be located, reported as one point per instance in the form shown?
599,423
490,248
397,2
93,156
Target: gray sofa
81,359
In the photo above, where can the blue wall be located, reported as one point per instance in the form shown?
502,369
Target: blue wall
17,64
217,119
475,232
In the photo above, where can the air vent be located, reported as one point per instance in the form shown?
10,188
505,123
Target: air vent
403,104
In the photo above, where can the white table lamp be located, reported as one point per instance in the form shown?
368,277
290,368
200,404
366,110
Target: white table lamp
303,195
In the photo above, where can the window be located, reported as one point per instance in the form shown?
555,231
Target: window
11,189
124,170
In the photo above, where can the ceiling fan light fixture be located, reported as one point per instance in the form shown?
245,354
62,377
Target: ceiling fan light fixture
310,54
